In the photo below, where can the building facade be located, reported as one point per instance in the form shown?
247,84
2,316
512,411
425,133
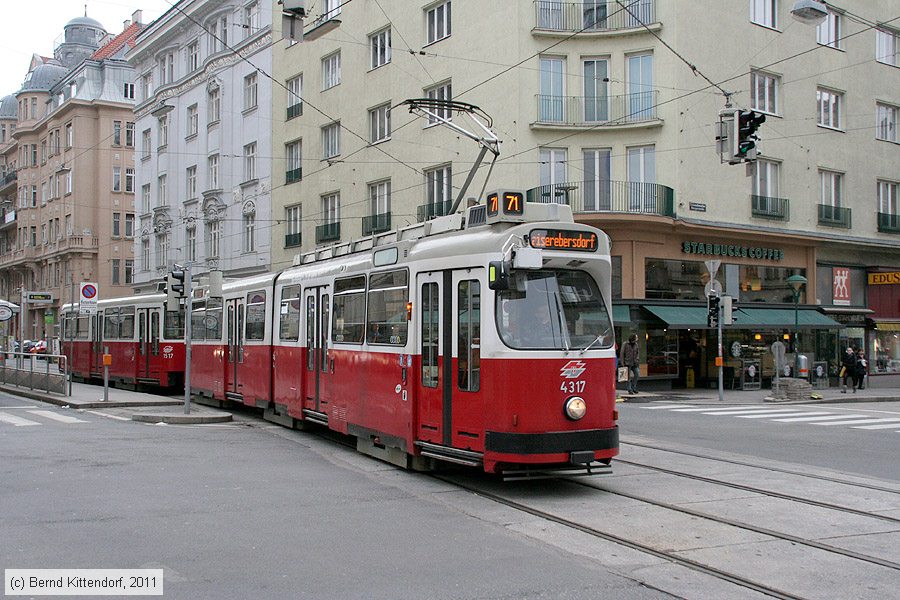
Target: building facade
204,126
595,109
67,192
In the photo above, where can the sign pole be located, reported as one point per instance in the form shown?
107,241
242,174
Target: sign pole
20,356
188,310
73,324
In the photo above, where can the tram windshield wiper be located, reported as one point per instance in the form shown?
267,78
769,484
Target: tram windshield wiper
596,339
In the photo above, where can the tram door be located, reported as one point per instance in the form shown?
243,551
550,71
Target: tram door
97,343
148,339
449,378
315,301
234,350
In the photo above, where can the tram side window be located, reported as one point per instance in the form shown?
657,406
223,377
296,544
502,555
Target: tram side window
289,329
431,328
213,319
310,333
118,323
388,296
173,328
348,324
77,328
256,316
198,321
469,338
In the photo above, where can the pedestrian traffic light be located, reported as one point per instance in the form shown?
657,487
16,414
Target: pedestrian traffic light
744,140
712,310
174,290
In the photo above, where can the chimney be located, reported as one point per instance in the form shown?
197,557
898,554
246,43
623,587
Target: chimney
136,16
126,24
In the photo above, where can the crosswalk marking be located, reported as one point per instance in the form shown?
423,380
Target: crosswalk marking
773,412
49,414
815,419
768,415
882,426
863,421
17,421
658,407
716,408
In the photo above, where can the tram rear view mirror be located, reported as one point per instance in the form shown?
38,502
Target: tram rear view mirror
498,275
527,258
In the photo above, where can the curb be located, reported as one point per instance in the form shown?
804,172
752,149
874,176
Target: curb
175,419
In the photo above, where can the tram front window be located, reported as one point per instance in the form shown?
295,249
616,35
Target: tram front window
553,310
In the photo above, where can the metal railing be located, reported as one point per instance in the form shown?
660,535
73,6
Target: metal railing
376,223
47,372
294,110
600,195
590,111
426,212
770,208
593,15
328,232
834,216
888,223
293,175
292,239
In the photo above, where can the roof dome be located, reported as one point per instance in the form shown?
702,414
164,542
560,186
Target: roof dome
9,108
84,22
43,77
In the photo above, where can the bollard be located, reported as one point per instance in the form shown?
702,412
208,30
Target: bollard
107,361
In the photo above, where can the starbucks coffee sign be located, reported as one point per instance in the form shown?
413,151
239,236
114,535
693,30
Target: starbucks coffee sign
734,250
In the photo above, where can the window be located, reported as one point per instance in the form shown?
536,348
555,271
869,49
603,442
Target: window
331,140
250,91
440,92
295,96
886,125
763,12
886,46
331,9
213,106
129,271
213,236
828,32
430,300
129,225
193,57
597,179
828,112
167,68
193,120
596,89
641,169
117,179
640,87
191,179
289,325
162,250
331,209
349,315
212,172
163,131
145,198
129,179
250,161
468,311
190,236
552,98
250,232
116,267
888,198
830,188
117,133
145,254
386,321
380,198
128,91
438,190
129,134
70,136
251,19
380,123
161,199
331,70
764,92
293,224
34,196
146,86
437,20
380,46
145,144
553,166
293,164
765,186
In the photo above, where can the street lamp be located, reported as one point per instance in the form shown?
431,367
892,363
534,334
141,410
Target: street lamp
810,12
796,282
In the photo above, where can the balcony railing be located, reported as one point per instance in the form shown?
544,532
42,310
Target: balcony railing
834,216
426,212
376,223
599,196
9,178
328,232
770,208
888,223
593,15
293,175
292,239
294,110
593,111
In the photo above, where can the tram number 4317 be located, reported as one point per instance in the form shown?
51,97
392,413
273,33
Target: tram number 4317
572,387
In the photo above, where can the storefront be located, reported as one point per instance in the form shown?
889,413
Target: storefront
884,344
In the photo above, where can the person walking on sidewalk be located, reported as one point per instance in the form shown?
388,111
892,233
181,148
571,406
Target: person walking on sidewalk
631,358
862,369
848,370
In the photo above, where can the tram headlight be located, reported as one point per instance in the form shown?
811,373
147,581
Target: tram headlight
575,408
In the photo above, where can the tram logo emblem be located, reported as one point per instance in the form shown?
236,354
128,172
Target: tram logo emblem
167,349
572,369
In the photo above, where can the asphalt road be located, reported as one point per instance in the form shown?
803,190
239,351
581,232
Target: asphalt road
796,434
250,510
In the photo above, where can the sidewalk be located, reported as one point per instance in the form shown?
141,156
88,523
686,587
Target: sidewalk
148,408
711,396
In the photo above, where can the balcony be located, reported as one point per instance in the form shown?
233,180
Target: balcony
426,212
9,178
292,239
765,207
328,232
294,110
607,111
602,196
592,16
8,220
376,223
834,216
294,175
888,223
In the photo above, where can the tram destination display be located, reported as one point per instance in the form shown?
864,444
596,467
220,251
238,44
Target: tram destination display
563,239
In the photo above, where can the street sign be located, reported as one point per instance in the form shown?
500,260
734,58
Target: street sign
6,313
87,303
712,266
39,297
713,285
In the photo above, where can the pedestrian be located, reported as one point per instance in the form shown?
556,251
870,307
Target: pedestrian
862,369
848,369
631,358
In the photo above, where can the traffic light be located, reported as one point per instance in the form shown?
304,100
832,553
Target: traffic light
727,310
744,140
712,311
174,290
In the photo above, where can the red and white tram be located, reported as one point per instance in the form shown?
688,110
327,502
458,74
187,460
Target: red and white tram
145,340
481,338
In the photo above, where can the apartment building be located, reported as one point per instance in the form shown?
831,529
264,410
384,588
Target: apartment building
204,126
611,108
66,148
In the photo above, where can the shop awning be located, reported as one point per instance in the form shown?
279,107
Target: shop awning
621,314
887,325
680,317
